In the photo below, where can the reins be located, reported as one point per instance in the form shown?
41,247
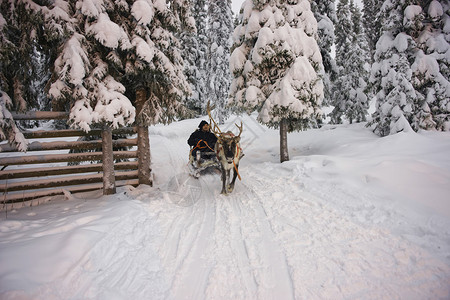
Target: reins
200,147
235,156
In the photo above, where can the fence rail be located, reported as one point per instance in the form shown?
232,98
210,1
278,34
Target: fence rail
21,181
39,146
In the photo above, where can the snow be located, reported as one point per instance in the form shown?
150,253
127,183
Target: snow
90,8
2,22
401,42
143,12
8,128
350,216
237,59
411,12
144,50
435,9
115,108
160,5
108,33
72,62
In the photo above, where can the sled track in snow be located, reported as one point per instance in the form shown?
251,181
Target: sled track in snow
330,255
231,253
273,237
276,237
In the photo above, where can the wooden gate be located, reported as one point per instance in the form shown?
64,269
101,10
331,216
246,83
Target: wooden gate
27,176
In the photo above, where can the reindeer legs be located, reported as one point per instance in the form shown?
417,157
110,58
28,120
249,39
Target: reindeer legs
224,181
231,185
227,187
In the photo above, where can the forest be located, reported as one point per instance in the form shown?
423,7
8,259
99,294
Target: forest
286,60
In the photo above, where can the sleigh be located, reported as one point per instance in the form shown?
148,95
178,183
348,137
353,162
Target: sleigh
224,158
202,162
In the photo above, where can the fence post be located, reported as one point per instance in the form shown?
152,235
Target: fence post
144,159
109,181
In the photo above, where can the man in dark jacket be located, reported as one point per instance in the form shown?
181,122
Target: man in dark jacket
202,139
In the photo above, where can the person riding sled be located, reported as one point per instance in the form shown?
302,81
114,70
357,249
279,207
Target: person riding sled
202,139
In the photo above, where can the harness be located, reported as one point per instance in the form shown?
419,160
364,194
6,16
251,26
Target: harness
200,147
238,150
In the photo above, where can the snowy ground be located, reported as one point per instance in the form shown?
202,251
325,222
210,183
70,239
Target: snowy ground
350,216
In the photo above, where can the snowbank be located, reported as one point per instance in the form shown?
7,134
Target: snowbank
351,216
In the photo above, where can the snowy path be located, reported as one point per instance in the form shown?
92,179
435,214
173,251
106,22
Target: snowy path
304,229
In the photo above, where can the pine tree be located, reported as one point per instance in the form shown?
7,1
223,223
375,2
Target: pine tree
372,24
275,65
325,14
350,99
8,128
20,35
220,27
391,73
359,69
431,69
22,28
344,40
194,47
154,67
133,57
83,77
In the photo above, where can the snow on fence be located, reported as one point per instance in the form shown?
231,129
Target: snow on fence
21,180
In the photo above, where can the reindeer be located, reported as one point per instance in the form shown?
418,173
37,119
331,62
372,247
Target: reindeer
228,152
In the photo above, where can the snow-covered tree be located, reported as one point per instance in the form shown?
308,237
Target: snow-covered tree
431,68
17,37
372,25
155,65
8,128
276,64
21,33
344,40
194,45
121,52
82,76
349,98
391,73
325,14
220,27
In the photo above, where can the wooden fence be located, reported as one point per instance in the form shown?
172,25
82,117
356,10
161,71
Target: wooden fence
19,183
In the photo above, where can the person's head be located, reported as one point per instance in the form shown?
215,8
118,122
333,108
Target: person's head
204,126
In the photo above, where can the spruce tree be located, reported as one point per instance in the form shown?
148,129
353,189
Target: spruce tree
22,31
118,53
220,27
344,39
325,14
350,99
84,74
391,73
275,64
372,24
21,34
194,46
431,68
154,67
359,68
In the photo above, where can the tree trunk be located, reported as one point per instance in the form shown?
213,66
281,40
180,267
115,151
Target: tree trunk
109,181
144,159
284,154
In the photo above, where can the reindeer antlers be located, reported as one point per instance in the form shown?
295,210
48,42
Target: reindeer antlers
240,128
215,129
